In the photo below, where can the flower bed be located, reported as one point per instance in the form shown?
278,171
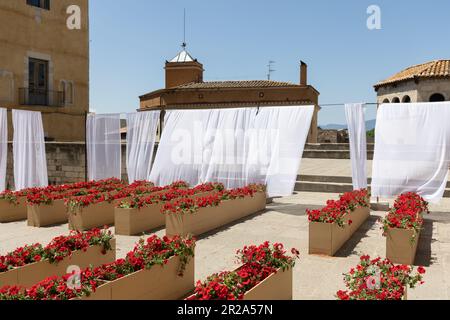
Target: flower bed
331,226
28,265
402,226
265,274
97,210
140,214
156,269
379,279
195,216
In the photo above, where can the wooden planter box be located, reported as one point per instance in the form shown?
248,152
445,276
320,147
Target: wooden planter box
277,286
10,212
399,247
210,218
32,274
157,283
328,238
129,222
47,215
94,216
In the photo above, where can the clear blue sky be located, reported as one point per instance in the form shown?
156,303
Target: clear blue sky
234,39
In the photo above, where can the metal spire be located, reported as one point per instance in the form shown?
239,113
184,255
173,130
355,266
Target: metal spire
184,31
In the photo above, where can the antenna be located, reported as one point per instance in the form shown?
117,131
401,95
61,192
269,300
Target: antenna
270,69
184,31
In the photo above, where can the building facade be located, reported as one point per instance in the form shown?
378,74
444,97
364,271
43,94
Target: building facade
428,82
186,89
44,64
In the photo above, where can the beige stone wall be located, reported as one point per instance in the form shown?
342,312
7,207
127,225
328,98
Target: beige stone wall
429,87
418,92
66,163
399,91
30,32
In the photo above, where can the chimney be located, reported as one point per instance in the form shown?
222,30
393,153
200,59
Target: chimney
303,74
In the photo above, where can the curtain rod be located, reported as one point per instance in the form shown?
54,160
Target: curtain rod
343,104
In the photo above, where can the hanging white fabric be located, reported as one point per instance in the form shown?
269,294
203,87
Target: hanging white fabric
358,144
30,165
412,143
180,150
141,137
277,146
3,147
104,152
226,146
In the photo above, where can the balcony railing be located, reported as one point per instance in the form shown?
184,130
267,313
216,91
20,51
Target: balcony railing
39,97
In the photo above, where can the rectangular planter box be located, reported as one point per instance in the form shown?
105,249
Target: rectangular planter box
210,218
47,215
328,238
129,222
277,286
157,283
10,212
399,248
32,274
94,216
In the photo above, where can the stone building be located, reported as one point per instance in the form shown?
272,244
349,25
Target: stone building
428,82
186,89
44,66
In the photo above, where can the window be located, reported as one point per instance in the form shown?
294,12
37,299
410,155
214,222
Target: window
386,101
38,82
69,93
437,97
406,99
44,4
396,100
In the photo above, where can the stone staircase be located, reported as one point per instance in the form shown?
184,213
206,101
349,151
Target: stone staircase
332,151
328,183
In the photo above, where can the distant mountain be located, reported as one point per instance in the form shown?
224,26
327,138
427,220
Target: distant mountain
370,125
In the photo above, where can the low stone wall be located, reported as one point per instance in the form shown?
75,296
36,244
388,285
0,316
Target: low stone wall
66,163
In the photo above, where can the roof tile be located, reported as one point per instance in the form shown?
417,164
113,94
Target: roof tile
437,68
236,84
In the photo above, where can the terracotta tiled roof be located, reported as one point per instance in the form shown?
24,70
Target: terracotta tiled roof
236,84
437,68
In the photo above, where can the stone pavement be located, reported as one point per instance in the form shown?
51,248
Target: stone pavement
315,277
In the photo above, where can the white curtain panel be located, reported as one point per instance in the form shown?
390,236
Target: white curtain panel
30,165
180,151
3,147
141,137
277,146
412,150
104,152
226,146
358,144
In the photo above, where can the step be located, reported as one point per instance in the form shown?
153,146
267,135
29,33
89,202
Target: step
323,187
334,146
331,154
334,187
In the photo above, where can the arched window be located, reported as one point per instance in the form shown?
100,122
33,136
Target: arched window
406,99
396,100
386,101
437,97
